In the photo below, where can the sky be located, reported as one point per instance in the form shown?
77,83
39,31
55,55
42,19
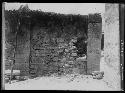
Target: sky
64,8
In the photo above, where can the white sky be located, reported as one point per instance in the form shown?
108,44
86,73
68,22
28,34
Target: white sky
64,8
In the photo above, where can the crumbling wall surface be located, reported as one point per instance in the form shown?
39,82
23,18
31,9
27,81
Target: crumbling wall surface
55,54
111,46
52,48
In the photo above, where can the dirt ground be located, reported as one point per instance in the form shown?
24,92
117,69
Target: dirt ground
69,82
63,83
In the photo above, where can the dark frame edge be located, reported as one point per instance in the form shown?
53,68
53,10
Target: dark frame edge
2,60
121,29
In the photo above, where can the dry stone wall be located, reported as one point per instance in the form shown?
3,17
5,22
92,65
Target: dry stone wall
46,43
53,54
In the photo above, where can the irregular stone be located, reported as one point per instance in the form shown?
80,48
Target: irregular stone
81,59
98,75
74,54
6,80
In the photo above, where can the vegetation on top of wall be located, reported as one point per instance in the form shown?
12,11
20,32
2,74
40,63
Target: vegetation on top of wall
25,16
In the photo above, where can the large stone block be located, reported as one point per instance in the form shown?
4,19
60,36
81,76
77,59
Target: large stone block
94,47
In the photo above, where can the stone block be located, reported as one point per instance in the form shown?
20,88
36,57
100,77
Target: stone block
94,47
74,54
97,74
80,59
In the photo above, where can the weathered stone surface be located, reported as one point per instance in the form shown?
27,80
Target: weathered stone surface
97,74
95,18
111,45
94,47
57,37
53,52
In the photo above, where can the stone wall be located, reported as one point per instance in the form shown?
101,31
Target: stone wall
94,43
50,43
45,41
111,45
55,54
23,50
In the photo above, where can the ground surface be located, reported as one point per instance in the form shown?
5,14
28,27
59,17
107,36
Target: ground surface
57,83
69,82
